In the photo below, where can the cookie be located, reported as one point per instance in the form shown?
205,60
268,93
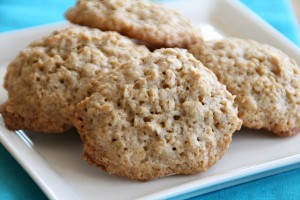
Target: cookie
266,82
147,21
161,115
47,79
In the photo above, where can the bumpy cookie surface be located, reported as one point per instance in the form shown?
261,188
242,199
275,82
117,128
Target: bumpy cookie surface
139,19
161,115
47,79
266,82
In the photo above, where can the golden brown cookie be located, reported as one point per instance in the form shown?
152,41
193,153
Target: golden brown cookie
161,115
266,82
47,79
147,21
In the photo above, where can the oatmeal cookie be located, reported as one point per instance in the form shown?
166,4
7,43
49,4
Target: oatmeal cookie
147,21
266,82
47,79
161,115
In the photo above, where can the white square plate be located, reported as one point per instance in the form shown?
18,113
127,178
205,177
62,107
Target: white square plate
54,161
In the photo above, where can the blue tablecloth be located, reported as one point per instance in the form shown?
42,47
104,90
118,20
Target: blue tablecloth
16,184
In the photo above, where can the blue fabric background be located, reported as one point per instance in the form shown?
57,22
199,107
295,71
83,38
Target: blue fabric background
16,184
